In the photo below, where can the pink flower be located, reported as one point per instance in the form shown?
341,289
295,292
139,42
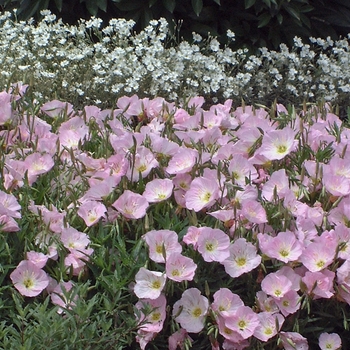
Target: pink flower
241,169
38,259
182,162
277,144
225,302
275,285
191,237
289,303
254,212
149,284
319,284
153,321
203,193
6,112
29,279
284,247
131,205
213,244
142,165
180,268
329,341
293,341
160,242
62,296
158,190
242,258
266,303
178,339
191,310
73,239
244,321
317,256
269,325
37,164
91,212
278,183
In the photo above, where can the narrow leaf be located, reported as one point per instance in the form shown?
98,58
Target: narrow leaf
197,6
248,3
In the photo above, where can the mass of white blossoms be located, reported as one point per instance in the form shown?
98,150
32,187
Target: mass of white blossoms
86,63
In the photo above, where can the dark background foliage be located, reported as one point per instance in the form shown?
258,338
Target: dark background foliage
256,23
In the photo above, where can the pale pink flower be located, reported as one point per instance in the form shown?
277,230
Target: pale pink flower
160,242
54,108
131,205
178,339
6,112
319,284
213,244
244,321
37,164
63,297
317,256
242,258
225,302
158,190
241,169
228,333
266,303
29,279
329,341
203,193
277,144
284,247
254,212
278,183
143,338
275,285
144,161
37,258
293,341
183,161
9,205
191,310
335,184
191,237
8,224
289,303
74,261
73,239
91,212
269,325
152,322
180,268
149,284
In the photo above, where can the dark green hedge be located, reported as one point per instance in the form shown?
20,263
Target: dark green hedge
256,23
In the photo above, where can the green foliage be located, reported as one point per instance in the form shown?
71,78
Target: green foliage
256,23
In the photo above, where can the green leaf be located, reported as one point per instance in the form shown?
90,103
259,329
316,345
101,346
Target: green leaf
217,1
151,3
92,7
292,12
267,2
169,5
197,6
264,19
59,5
248,3
279,18
102,4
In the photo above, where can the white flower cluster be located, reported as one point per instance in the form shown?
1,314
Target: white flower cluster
84,63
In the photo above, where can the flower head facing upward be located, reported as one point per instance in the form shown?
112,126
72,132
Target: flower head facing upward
29,279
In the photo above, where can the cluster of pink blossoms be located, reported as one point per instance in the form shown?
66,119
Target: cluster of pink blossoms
233,165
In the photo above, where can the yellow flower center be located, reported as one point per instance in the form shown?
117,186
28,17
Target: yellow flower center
196,312
241,261
242,324
281,149
28,283
156,285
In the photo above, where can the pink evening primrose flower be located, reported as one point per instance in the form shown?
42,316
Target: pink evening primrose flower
242,258
254,212
277,144
160,242
269,325
91,212
178,339
131,205
182,162
152,322
317,256
149,284
158,190
275,285
180,268
203,193
244,321
213,244
319,284
62,296
29,279
191,310
225,302
329,341
293,341
278,182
